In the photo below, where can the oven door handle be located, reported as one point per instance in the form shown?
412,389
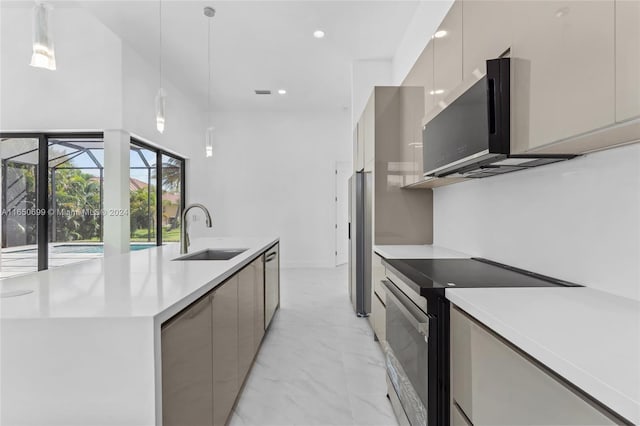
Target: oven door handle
415,316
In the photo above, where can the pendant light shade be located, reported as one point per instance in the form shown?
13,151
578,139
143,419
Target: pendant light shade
43,52
209,141
161,99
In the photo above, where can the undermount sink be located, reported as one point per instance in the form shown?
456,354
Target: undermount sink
212,254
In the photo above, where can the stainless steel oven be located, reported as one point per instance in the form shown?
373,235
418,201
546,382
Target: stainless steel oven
407,355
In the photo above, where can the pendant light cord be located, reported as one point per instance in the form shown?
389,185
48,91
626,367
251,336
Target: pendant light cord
209,72
160,38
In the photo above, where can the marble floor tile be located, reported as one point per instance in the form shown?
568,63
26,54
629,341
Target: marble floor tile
318,364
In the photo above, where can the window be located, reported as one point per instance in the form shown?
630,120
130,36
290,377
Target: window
157,187
172,174
52,190
142,198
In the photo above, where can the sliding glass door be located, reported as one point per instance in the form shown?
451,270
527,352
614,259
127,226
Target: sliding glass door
21,206
76,181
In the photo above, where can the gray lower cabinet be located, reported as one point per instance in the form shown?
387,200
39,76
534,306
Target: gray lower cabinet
250,314
246,320
187,350
209,347
493,384
226,381
258,288
271,283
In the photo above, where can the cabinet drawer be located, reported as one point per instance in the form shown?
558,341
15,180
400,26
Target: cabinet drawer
494,384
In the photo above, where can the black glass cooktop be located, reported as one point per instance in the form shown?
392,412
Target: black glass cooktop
469,273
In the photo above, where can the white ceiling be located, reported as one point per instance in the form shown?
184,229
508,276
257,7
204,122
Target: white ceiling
262,45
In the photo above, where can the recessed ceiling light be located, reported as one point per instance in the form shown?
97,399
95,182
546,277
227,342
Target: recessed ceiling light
318,34
436,92
440,34
282,92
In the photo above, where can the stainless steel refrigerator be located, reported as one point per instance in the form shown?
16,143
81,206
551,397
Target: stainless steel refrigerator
360,250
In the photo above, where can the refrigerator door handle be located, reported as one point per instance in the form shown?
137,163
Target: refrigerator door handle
349,230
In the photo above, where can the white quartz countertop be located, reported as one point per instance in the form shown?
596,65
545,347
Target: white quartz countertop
145,283
417,252
589,337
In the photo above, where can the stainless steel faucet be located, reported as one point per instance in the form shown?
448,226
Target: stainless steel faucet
184,234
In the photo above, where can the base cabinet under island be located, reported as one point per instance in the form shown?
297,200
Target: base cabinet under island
209,347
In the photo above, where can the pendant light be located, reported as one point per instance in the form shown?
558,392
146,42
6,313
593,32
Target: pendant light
209,12
43,51
161,96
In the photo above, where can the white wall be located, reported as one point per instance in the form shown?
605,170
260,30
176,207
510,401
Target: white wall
273,174
424,23
578,220
84,93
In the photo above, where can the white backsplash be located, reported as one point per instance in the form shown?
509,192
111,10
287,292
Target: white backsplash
577,220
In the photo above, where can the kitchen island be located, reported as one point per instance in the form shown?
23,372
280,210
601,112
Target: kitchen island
84,345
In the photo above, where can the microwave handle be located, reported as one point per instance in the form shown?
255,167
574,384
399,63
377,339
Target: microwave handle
491,105
499,105
416,317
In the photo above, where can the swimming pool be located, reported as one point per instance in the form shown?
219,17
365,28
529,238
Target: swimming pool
84,248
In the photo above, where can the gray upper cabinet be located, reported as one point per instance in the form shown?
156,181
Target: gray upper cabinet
368,126
493,384
187,387
487,35
627,60
358,148
563,81
421,75
447,57
271,283
226,381
574,70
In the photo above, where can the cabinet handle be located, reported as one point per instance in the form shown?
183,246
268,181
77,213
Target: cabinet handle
418,319
197,310
270,256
